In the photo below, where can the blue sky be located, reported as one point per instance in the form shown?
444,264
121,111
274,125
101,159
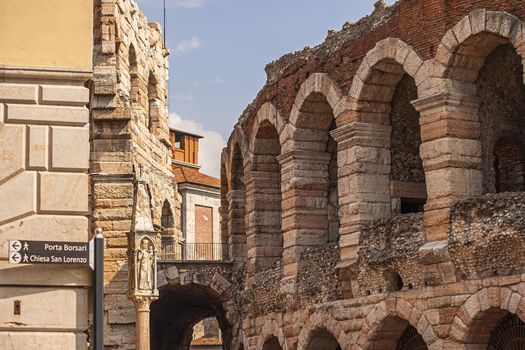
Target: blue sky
219,49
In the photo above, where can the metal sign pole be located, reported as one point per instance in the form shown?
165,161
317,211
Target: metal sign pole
98,292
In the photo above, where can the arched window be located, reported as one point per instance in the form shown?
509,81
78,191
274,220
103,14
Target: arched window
152,116
509,335
134,92
167,220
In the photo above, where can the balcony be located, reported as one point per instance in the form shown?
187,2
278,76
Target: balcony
194,252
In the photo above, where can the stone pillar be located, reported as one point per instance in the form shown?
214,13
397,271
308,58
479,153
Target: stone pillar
263,232
364,189
237,224
451,154
142,322
305,182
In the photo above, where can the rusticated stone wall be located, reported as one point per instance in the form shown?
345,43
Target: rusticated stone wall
130,142
485,238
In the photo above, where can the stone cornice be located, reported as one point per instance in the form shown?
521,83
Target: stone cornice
357,129
44,73
301,155
445,99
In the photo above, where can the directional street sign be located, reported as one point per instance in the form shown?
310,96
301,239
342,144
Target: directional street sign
47,252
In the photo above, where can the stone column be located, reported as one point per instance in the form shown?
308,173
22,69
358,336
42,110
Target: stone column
237,224
451,154
263,231
304,185
364,189
142,322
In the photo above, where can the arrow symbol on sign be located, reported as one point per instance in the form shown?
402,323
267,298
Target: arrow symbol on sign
16,257
16,245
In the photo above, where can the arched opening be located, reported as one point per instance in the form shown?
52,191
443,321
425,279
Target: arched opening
267,246
237,206
167,220
496,329
152,115
384,103
502,118
272,343
321,339
407,177
134,92
508,335
395,333
207,335
176,313
312,136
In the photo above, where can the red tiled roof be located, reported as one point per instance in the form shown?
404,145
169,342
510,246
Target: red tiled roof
194,176
206,341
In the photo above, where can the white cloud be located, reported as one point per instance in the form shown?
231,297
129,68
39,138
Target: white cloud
184,96
209,82
188,45
210,146
191,4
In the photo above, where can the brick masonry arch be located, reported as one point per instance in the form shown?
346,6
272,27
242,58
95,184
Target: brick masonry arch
390,49
268,112
395,307
474,308
238,138
271,328
499,27
316,82
324,321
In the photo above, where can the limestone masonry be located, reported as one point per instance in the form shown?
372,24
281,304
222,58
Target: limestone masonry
372,193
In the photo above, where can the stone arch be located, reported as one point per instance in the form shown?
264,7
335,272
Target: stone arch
309,159
263,188
317,82
271,329
187,296
382,90
391,50
239,137
268,112
481,313
392,313
236,196
322,321
464,48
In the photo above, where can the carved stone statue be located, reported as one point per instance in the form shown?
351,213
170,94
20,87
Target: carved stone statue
145,261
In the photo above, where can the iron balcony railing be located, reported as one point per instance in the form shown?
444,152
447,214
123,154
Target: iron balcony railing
194,251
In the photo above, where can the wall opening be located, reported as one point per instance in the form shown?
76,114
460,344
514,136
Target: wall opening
237,207
134,76
272,343
411,340
321,339
395,333
152,114
502,120
508,335
268,242
407,176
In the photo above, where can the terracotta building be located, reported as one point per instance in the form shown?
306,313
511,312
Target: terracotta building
200,200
